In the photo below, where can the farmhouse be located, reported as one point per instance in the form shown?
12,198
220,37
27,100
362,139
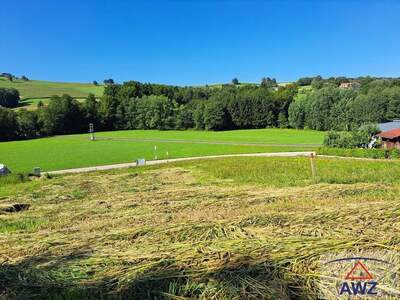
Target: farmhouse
390,139
349,85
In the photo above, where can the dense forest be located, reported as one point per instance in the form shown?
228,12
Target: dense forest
328,107
312,102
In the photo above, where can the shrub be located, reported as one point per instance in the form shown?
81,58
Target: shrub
13,178
340,139
351,139
394,154
9,97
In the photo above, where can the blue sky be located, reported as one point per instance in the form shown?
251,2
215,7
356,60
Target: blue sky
198,42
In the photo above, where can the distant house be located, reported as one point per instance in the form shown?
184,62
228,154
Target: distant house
349,85
389,125
390,139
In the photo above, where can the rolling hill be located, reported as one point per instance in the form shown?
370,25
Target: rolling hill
33,91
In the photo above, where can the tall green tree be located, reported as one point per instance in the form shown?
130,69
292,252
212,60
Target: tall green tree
62,115
108,112
8,124
91,110
216,116
28,124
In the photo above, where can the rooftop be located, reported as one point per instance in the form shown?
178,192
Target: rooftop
390,134
389,125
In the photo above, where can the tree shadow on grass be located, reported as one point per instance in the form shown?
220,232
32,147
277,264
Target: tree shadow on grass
236,279
29,278
24,103
239,279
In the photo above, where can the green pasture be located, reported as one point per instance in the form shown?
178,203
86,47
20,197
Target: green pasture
33,91
260,136
73,151
32,103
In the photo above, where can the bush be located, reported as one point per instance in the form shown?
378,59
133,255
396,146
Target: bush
9,97
340,139
13,178
351,139
394,153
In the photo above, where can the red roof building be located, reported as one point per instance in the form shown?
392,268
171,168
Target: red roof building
390,138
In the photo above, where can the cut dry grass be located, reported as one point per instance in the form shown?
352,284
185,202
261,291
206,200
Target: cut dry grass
193,230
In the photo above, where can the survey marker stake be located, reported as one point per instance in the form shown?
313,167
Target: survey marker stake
91,131
313,171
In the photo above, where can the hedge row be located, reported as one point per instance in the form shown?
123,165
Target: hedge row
360,152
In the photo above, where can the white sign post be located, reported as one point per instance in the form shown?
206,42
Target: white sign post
91,131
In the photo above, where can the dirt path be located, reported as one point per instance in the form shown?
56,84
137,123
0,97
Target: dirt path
164,161
207,142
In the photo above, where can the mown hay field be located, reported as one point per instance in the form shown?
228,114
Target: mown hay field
243,228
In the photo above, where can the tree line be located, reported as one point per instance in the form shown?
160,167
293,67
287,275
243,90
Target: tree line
331,108
134,105
322,105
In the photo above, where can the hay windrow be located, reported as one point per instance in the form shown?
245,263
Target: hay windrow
176,233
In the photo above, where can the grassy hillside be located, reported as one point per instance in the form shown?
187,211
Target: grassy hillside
43,89
72,151
33,91
248,228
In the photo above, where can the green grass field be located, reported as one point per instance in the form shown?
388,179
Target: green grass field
33,91
32,103
73,151
246,228
260,136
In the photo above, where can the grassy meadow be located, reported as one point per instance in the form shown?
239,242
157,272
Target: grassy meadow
33,91
32,103
243,228
260,136
73,151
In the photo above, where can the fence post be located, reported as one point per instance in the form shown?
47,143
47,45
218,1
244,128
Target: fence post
313,171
